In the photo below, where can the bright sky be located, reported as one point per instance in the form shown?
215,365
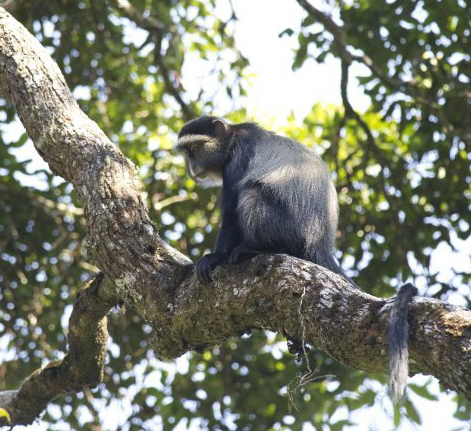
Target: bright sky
275,89
276,92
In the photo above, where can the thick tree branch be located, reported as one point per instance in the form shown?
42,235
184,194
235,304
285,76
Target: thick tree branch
348,324
76,149
9,5
159,282
82,367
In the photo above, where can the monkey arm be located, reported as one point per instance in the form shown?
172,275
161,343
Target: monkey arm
229,236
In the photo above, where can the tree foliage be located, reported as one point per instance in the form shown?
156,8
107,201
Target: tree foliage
401,170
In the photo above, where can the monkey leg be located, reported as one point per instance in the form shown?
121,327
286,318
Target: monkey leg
242,252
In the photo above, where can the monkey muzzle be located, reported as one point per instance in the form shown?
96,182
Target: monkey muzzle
209,179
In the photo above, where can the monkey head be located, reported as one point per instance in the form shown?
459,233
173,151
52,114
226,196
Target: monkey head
205,145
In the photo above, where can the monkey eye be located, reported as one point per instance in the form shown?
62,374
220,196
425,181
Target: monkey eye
190,148
193,148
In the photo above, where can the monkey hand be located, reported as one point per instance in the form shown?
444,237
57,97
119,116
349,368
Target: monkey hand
205,266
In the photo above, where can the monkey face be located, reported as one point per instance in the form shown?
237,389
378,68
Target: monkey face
201,173
204,157
206,143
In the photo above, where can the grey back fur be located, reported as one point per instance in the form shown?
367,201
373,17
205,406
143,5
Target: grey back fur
301,183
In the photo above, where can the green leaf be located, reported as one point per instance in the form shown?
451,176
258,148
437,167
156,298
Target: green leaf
412,413
397,416
423,392
286,32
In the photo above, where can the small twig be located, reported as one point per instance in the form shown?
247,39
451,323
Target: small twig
9,5
158,206
350,112
187,112
308,376
342,47
156,28
147,22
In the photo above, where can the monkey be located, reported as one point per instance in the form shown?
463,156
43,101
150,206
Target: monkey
277,195
398,342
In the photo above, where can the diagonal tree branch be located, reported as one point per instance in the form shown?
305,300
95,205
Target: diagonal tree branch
9,5
187,111
82,367
349,111
158,282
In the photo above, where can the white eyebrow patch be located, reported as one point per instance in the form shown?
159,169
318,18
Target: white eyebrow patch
188,139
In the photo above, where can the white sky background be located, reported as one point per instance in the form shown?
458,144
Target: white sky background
275,92
276,89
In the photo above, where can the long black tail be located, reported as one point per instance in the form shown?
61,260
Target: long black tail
398,340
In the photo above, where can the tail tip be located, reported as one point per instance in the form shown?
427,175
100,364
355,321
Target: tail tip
396,391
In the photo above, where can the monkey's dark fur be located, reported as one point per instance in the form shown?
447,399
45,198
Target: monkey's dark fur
398,339
277,195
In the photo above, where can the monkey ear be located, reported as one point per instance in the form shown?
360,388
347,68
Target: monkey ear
220,126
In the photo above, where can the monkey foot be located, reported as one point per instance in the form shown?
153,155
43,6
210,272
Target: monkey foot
240,253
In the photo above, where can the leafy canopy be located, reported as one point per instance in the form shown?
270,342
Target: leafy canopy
401,170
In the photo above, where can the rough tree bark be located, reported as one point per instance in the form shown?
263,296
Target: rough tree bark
274,292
